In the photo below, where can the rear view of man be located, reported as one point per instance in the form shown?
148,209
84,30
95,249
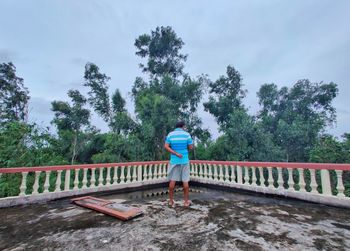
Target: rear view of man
178,142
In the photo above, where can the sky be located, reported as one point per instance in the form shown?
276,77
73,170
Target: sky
268,41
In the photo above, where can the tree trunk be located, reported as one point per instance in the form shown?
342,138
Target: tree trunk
74,148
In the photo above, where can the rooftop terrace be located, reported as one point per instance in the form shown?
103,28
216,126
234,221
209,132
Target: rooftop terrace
218,220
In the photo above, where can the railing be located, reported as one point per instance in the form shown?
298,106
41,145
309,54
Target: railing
321,183
51,182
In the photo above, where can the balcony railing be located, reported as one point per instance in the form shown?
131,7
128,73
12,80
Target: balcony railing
322,183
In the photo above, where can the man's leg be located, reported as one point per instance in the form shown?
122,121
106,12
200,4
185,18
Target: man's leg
186,193
171,192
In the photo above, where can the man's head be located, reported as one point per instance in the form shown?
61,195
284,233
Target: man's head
180,124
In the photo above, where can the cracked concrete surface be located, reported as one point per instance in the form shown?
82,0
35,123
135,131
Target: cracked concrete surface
217,220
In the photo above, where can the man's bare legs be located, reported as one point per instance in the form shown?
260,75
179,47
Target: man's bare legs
171,192
186,194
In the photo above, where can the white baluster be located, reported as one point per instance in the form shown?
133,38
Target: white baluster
134,173
23,186
313,183
326,184
47,181
196,170
115,175
340,186
122,175
100,177
216,172
128,175
261,176
93,178
210,171
156,171
145,173
76,179
239,175
246,175
67,180
227,176
290,179
301,180
108,177
233,174
270,179
221,176
201,168
58,181
280,178
254,176
36,182
139,173
84,178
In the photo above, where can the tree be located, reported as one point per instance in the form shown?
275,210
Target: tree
13,95
226,96
162,51
297,116
71,120
98,93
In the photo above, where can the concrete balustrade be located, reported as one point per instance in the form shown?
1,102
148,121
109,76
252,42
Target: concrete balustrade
306,181
296,180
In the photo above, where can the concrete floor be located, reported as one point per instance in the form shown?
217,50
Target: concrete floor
216,221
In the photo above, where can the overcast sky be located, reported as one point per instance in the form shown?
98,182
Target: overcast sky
266,41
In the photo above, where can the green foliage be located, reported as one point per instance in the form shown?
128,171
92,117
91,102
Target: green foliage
13,95
162,51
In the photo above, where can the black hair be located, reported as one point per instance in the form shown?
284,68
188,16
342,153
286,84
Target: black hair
180,124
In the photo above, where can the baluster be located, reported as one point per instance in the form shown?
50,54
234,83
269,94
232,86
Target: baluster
261,175
161,171
115,175
108,177
196,170
155,174
239,175
233,174
139,173
134,173
326,184
67,180
145,173
270,178
210,171
201,170
246,175
58,181
36,182
84,178
290,179
47,181
100,177
254,180
23,186
215,175
128,175
227,176
301,180
122,175
340,186
313,183
76,179
221,173
93,178
280,180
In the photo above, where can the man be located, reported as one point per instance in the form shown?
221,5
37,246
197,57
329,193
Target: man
178,142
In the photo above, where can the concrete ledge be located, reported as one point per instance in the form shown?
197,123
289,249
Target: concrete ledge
305,196
31,199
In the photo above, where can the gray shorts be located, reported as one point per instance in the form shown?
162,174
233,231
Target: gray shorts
179,172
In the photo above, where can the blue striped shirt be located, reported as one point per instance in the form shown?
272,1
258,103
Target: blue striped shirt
179,140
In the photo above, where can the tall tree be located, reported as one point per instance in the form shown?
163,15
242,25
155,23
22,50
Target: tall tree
98,90
72,120
14,96
162,51
297,115
227,94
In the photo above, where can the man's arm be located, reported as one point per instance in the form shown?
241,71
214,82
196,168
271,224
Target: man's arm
167,147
